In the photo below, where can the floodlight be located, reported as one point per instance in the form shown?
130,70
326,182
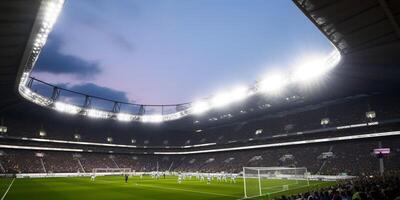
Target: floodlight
309,70
273,83
40,155
370,114
221,100
67,108
42,133
77,136
239,93
152,118
96,113
124,117
3,129
200,107
325,121
313,67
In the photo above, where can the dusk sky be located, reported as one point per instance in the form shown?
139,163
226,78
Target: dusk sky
174,51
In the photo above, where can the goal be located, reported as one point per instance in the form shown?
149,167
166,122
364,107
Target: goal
111,171
260,181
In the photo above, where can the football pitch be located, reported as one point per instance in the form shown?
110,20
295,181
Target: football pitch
114,187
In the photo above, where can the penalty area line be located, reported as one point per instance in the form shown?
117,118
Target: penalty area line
8,189
269,193
186,190
304,186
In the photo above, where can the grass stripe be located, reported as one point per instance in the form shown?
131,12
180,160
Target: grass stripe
186,190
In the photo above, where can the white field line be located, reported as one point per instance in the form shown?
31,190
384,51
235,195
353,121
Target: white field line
186,190
294,188
278,186
283,190
4,196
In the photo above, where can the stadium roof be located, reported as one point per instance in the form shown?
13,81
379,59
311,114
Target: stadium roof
365,32
16,22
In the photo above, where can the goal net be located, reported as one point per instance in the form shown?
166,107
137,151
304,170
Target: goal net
111,171
260,181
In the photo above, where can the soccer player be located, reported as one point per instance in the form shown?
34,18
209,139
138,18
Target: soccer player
179,178
208,180
224,178
126,178
92,177
233,179
219,178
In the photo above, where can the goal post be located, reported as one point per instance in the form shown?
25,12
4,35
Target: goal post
111,171
259,181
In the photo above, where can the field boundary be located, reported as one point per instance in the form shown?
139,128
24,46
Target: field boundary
8,189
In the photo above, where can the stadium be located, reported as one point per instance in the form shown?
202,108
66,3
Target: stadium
328,130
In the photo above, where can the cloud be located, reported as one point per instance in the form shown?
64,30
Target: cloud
103,17
100,91
121,41
52,61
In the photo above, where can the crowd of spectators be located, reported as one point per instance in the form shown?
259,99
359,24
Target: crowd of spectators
350,157
373,187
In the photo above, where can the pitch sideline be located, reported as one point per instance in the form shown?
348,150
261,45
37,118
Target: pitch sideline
5,194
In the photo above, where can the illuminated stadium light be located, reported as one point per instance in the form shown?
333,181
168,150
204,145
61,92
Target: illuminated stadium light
309,70
3,129
124,117
49,12
42,133
67,108
258,131
152,118
239,93
97,113
314,67
221,100
32,96
370,114
273,83
325,121
200,107
226,98
77,136
174,116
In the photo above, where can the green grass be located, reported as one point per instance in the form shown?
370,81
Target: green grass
147,188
